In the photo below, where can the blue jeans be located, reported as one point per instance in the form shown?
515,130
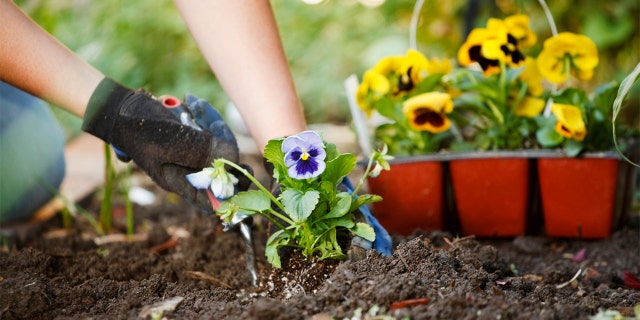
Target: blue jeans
31,154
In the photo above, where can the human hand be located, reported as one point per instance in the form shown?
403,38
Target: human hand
158,142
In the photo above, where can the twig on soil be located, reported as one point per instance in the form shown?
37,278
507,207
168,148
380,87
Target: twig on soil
409,303
562,285
458,240
365,291
172,242
403,261
197,275
176,234
119,237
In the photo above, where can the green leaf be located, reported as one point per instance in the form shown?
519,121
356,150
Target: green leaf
273,152
623,91
253,200
513,73
338,168
548,137
363,200
364,230
390,109
572,96
345,222
274,243
299,205
572,147
274,155
604,96
341,208
331,150
427,84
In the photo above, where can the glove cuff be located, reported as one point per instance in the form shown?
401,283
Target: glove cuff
103,108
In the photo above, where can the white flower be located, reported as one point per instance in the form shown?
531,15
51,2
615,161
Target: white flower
221,182
382,162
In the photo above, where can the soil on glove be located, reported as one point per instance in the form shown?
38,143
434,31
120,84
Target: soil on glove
181,265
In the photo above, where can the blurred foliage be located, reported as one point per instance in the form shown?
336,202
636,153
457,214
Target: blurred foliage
146,44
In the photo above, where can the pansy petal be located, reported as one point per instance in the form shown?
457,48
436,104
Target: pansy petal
320,154
291,157
311,137
217,187
291,142
307,169
201,179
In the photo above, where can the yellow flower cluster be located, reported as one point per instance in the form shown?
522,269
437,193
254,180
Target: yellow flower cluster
397,76
420,94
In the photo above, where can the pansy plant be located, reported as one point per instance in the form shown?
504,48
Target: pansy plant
500,98
312,212
408,91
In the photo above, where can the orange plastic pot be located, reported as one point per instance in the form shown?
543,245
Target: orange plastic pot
491,195
412,193
578,196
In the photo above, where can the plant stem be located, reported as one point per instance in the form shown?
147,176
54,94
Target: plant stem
364,175
66,218
261,187
274,221
127,201
105,207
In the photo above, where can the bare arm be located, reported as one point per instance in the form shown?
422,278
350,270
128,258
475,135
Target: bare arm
34,61
240,41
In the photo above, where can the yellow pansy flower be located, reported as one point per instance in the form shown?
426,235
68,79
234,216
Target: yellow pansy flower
403,72
518,26
568,53
426,112
489,46
532,77
570,124
529,107
373,87
435,66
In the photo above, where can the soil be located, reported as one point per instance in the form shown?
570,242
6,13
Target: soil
181,265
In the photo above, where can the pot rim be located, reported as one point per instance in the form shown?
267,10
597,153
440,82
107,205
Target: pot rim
529,154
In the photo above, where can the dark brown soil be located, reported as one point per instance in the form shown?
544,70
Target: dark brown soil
184,257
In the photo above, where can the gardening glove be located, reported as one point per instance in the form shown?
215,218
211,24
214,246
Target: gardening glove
359,246
142,129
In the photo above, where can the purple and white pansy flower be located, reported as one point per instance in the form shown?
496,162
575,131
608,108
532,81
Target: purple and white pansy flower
221,182
304,155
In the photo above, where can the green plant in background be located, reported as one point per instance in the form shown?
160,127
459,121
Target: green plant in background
115,184
311,212
109,177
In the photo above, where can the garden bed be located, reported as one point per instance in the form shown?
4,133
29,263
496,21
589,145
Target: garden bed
182,261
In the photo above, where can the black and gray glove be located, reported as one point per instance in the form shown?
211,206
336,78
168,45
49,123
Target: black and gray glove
139,126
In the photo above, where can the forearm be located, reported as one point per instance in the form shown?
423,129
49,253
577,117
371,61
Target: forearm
240,41
34,61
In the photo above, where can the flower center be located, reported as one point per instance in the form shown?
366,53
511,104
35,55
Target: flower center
304,156
405,83
425,115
